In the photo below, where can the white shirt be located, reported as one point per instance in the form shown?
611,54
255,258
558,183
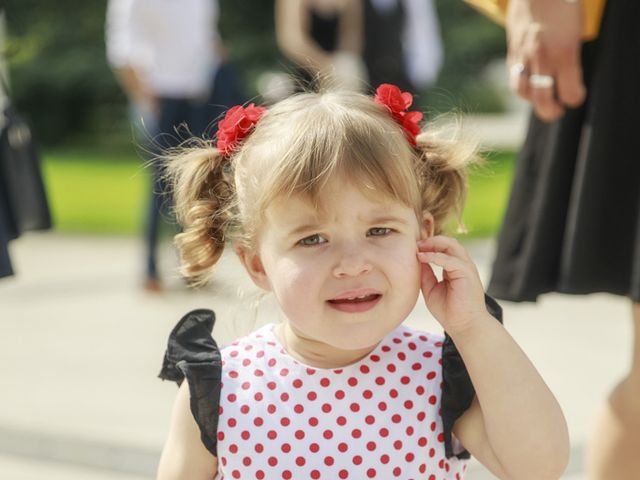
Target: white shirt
170,43
421,41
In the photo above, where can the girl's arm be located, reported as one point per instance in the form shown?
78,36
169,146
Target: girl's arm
515,427
351,33
184,455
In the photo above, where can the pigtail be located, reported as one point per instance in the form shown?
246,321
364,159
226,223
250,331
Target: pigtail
441,166
203,191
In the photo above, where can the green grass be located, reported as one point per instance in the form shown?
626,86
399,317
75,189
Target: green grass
103,193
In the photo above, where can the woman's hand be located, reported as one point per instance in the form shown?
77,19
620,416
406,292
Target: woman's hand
458,298
543,43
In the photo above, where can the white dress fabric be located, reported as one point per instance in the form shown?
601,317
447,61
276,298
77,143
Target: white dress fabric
376,418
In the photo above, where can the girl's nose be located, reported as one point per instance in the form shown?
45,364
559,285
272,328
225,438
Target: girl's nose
352,263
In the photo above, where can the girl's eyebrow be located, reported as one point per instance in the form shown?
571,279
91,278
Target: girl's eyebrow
388,219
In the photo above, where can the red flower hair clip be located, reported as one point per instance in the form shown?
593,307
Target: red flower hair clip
397,102
236,125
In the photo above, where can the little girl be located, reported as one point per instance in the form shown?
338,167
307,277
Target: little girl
335,202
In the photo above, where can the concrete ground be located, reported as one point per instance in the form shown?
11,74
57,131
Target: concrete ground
81,344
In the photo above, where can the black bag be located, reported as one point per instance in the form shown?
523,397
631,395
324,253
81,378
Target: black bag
22,194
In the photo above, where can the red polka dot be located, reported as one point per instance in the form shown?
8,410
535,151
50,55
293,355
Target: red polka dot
259,474
298,408
314,447
353,381
371,472
325,382
259,448
297,383
433,399
232,422
422,441
397,472
384,432
246,435
409,431
235,474
341,420
220,436
284,372
284,396
271,362
412,346
375,358
311,371
300,461
354,407
273,461
272,434
409,457
364,369
271,385
343,474
384,459
367,394
233,448
315,474
312,396
326,407
233,353
356,433
286,448
338,371
258,421
328,460
343,447
246,362
260,354
339,394
433,426
422,468
271,408
391,367
427,354
233,374
441,437
393,393
286,474
432,452
313,421
420,390
421,416
386,348
299,434
328,434
285,421
357,460
258,396
380,380
382,406
408,404
369,419
397,444
371,446
397,340
431,375
231,397
402,356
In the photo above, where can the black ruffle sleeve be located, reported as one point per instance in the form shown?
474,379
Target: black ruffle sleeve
193,354
457,389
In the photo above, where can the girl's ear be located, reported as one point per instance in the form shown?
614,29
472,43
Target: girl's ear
253,265
427,226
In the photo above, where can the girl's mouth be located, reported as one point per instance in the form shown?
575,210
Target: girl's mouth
356,304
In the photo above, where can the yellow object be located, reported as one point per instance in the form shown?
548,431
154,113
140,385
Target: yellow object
592,10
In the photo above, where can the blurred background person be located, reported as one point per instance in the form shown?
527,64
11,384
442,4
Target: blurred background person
5,262
168,57
402,43
573,219
324,39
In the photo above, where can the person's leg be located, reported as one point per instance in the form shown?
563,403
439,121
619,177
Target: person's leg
614,449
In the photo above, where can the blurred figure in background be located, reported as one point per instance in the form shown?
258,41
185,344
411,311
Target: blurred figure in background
324,39
169,59
5,262
573,219
402,43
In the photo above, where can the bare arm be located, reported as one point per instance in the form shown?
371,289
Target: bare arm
544,37
135,88
351,33
516,427
184,455
292,35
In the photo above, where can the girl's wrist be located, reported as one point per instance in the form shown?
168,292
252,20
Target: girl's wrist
471,328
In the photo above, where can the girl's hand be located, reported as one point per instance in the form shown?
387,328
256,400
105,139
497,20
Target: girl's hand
458,298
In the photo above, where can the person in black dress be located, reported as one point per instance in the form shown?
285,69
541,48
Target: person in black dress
572,223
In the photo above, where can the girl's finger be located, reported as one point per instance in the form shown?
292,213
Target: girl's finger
428,279
455,267
444,244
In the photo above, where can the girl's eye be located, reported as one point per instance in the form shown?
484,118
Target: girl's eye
311,240
378,232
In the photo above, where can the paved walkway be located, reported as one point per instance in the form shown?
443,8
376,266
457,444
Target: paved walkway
81,345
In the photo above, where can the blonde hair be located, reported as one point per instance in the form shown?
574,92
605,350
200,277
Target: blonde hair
299,145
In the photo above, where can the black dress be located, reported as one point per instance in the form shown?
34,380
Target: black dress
572,223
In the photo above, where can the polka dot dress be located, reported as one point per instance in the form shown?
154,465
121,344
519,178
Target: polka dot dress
377,418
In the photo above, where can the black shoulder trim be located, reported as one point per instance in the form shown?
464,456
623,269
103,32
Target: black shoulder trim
457,389
193,354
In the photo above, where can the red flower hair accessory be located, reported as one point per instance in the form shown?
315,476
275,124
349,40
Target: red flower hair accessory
236,125
397,102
